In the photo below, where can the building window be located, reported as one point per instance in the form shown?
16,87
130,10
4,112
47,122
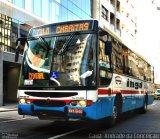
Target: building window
71,9
37,8
19,3
113,2
104,13
118,24
5,32
118,6
45,10
112,18
29,5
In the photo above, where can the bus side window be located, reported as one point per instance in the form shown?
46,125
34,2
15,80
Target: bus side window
133,62
126,68
117,57
104,65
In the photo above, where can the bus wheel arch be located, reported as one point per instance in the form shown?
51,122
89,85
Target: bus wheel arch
117,109
118,102
143,109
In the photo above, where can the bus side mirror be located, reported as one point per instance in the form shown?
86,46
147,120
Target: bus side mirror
18,44
108,48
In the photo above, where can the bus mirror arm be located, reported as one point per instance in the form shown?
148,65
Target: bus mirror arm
19,41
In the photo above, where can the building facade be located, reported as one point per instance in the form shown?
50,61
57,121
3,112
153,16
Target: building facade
119,16
56,10
16,18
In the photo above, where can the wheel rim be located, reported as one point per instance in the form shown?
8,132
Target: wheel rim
145,106
114,115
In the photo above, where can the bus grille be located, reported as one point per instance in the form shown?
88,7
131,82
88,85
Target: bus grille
51,94
45,103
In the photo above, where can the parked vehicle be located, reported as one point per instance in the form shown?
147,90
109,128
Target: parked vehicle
157,94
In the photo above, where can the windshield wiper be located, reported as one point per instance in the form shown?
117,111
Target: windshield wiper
54,80
67,43
44,43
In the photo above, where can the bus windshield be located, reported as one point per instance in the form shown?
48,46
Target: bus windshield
60,61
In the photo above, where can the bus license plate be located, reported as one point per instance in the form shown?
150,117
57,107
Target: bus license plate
75,111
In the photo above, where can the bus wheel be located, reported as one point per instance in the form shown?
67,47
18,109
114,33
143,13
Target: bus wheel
112,120
143,110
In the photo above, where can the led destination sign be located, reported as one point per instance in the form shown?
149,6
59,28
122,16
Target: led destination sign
63,28
41,31
72,27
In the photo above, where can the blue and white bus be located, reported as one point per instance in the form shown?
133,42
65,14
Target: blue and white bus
78,70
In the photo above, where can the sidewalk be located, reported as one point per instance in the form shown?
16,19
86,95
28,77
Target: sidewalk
8,107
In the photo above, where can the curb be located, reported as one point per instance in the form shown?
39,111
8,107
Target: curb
6,110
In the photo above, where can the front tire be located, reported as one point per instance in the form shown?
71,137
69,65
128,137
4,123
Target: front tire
112,120
143,110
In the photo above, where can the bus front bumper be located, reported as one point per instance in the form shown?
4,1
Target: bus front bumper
58,113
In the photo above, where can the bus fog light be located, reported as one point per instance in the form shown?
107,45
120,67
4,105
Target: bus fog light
22,101
82,103
28,101
73,103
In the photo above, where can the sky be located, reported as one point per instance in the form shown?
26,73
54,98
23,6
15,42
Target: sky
148,35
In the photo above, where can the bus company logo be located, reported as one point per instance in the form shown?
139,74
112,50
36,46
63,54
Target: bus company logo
134,84
118,80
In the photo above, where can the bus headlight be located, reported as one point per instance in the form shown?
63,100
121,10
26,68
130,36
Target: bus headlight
82,103
22,101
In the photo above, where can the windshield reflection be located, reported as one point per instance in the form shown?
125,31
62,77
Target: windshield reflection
64,61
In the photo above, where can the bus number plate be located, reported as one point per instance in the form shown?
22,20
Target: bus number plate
75,111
